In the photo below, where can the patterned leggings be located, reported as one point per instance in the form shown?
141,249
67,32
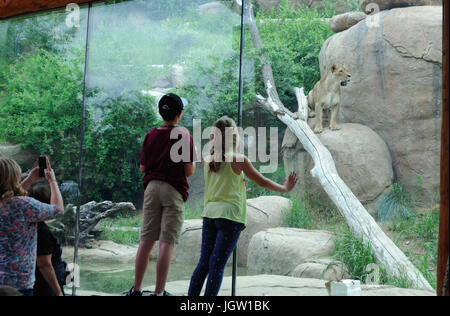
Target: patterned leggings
219,239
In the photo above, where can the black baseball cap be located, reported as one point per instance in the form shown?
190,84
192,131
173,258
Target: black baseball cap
170,106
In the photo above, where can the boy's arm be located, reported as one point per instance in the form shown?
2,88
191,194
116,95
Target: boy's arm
142,168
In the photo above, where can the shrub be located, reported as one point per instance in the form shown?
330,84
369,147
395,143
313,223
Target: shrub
354,253
395,204
40,107
111,171
300,216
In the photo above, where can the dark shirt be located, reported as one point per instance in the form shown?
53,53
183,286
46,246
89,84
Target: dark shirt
47,245
158,162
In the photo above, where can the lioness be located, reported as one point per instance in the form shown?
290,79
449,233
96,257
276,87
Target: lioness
326,95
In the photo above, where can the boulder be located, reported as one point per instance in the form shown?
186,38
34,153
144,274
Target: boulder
395,58
344,21
375,6
361,156
189,245
281,250
103,251
25,158
262,213
324,269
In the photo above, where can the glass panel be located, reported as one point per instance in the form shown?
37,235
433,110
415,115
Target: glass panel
140,50
389,118
41,84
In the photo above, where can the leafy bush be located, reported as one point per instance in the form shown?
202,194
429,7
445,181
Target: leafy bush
112,154
40,107
354,253
292,40
300,216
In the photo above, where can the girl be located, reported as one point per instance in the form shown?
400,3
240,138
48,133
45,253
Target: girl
225,206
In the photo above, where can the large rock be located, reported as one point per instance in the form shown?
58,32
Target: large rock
362,160
262,213
324,269
103,251
370,6
339,6
189,245
24,158
344,21
281,250
395,58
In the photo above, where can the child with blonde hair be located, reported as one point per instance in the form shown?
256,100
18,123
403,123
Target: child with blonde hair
225,204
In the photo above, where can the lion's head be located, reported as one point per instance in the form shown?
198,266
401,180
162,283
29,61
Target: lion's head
341,74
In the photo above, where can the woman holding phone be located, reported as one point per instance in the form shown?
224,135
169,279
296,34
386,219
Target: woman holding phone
19,215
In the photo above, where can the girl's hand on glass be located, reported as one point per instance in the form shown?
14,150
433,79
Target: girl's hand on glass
290,182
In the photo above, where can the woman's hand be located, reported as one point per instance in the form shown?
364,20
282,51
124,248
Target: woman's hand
32,177
49,172
291,181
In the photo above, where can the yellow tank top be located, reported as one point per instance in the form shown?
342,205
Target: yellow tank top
225,194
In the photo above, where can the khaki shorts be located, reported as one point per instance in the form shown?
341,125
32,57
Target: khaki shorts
163,213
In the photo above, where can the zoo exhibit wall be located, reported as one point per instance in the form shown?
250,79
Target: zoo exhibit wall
139,49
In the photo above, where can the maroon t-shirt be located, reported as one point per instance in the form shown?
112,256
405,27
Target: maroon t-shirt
159,165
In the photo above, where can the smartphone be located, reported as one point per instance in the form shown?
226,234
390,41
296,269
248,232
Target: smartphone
42,166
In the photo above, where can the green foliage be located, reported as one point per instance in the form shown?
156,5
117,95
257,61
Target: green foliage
112,160
216,93
121,230
292,39
256,191
394,205
193,213
300,216
354,253
422,231
41,106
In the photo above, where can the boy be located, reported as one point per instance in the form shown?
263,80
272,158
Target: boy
166,189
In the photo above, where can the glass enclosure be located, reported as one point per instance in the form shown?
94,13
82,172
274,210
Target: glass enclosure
140,50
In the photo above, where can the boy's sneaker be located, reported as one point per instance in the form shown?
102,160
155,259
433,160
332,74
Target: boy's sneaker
133,292
165,293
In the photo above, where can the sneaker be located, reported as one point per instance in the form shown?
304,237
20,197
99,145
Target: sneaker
165,293
133,292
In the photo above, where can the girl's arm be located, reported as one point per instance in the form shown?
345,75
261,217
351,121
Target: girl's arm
249,170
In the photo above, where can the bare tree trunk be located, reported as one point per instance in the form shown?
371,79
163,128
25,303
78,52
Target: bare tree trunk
360,222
